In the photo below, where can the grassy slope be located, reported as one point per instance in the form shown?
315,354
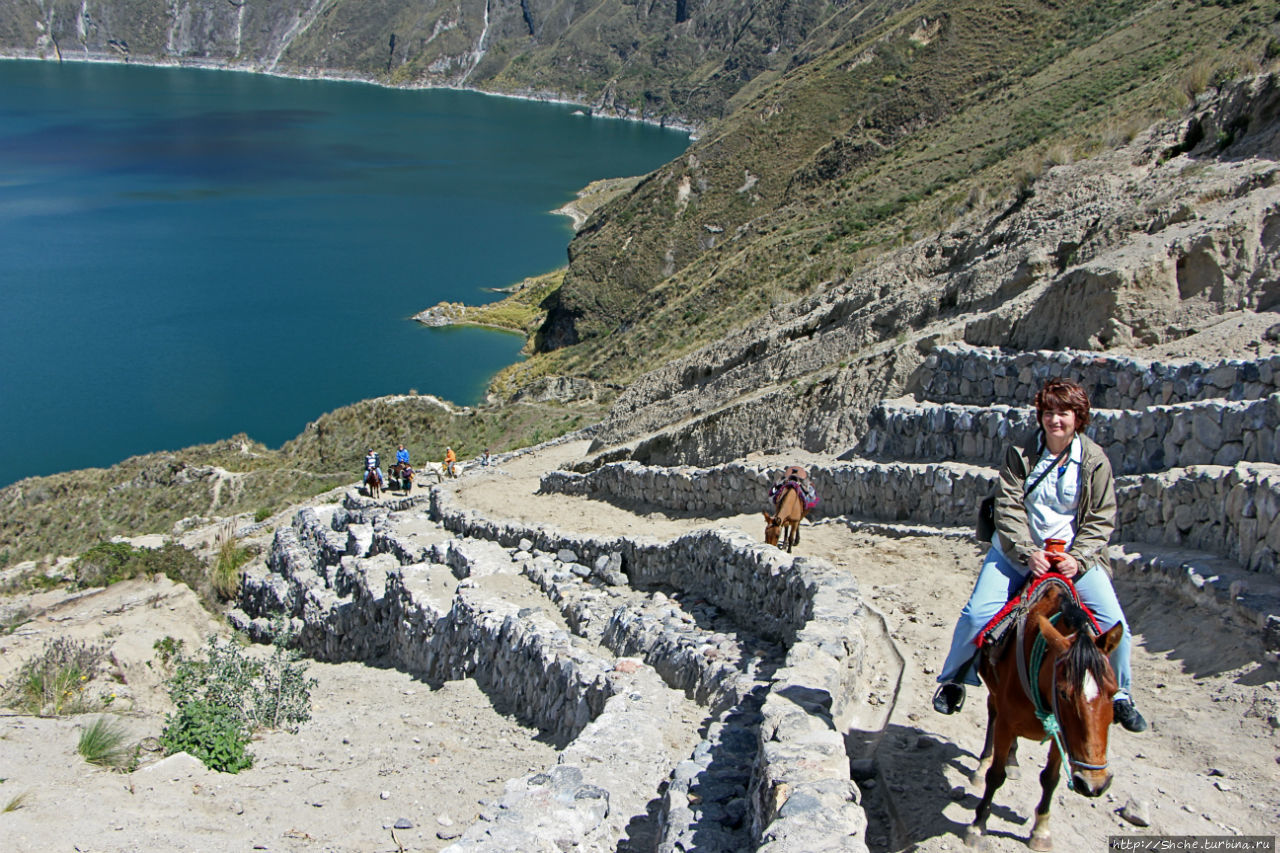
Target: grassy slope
871,144
66,513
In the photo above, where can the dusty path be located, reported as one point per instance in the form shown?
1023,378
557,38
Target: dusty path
1209,764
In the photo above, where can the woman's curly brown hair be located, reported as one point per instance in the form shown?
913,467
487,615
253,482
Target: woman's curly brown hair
1061,394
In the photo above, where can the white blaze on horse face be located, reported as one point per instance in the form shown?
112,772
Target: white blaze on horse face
1090,687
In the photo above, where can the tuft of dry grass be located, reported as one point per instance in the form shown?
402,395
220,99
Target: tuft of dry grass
17,802
104,743
231,556
1197,78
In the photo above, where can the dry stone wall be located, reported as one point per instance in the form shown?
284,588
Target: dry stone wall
965,374
757,585
899,491
1232,511
776,764
1139,441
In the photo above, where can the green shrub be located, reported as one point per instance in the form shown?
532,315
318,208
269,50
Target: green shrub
54,681
111,562
252,694
213,733
104,564
104,743
262,514
168,650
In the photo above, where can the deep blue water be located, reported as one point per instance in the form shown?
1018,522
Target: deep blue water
187,254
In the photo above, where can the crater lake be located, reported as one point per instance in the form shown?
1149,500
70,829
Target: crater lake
189,254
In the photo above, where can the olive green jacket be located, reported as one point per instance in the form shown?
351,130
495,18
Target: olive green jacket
1095,513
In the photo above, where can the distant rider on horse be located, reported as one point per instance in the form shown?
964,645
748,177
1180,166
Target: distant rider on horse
372,462
402,456
794,477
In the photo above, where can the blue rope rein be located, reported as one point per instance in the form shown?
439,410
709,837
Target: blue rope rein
1048,719
1045,714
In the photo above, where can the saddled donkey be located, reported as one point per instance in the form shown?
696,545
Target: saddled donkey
1063,693
403,473
790,511
373,483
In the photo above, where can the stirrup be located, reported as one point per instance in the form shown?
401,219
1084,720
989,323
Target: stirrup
949,701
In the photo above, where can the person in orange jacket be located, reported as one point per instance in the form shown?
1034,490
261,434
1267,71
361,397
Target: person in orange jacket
450,462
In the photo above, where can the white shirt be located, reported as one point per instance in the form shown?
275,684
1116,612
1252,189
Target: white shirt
1051,505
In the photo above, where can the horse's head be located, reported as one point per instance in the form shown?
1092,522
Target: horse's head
1078,680
772,529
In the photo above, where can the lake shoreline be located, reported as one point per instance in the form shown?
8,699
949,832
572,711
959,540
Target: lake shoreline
331,76
266,151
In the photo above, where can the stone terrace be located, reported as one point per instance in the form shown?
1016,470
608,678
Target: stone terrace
602,643
1194,445
605,643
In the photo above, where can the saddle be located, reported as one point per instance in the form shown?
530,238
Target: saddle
803,489
1015,609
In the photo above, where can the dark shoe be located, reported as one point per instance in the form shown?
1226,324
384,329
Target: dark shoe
1124,714
949,698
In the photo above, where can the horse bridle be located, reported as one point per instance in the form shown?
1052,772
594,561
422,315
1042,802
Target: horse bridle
1048,715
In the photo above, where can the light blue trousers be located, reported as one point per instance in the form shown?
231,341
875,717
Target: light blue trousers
997,582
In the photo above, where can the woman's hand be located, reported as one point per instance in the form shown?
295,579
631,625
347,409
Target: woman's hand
1064,564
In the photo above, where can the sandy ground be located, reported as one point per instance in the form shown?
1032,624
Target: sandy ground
383,748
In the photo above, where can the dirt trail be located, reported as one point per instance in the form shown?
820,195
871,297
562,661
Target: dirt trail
1209,764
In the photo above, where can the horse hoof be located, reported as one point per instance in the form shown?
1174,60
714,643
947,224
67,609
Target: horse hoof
1041,843
1012,773
973,838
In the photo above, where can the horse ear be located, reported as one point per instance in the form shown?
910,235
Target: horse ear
1057,642
1107,642
768,519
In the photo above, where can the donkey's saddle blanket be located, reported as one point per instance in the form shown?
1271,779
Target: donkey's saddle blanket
1015,609
803,489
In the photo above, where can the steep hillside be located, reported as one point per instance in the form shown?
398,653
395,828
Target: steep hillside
885,175
937,111
1138,246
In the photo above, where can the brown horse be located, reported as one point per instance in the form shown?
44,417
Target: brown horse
791,510
1069,672
373,483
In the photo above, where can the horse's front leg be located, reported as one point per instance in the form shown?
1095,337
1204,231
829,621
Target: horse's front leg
995,778
1040,839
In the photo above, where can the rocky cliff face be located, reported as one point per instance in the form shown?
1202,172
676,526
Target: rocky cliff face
1140,245
666,60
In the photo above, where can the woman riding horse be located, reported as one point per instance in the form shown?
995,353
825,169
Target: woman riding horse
1071,496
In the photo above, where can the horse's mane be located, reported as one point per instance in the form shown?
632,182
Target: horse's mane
1084,655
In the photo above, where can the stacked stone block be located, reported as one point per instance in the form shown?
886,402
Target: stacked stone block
956,373
1137,441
